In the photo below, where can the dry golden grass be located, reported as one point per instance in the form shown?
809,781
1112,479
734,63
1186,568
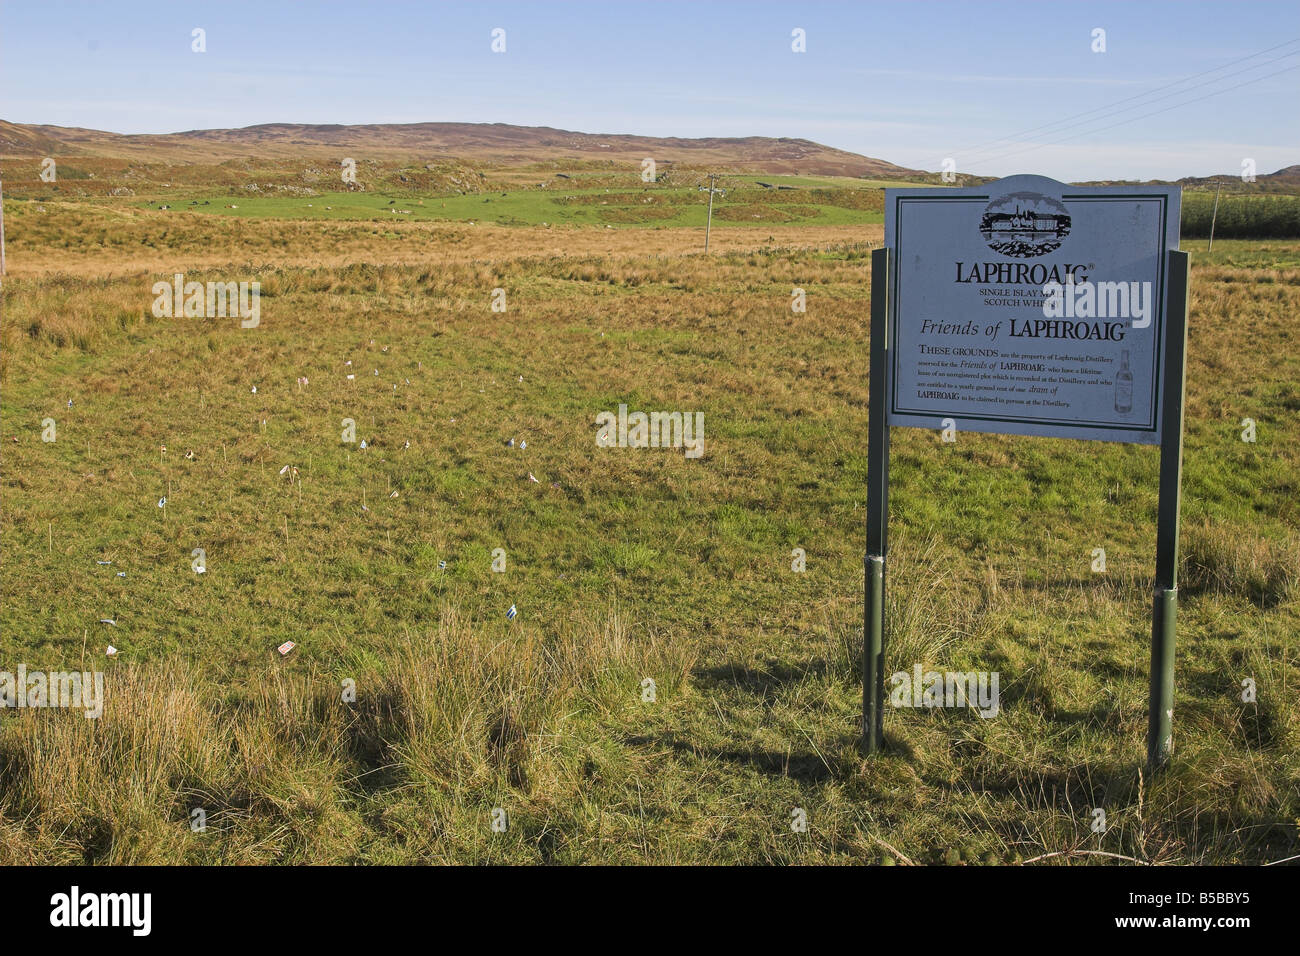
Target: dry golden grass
1222,557
461,714
74,240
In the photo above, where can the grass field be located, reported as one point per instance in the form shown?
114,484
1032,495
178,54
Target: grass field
600,194
637,206
624,564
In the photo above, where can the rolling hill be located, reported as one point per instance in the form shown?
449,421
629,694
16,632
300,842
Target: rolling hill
484,142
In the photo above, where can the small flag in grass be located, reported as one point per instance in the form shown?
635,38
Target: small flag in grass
442,565
162,502
512,613
286,647
112,651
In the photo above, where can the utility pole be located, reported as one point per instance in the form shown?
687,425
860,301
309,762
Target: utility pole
708,225
1213,218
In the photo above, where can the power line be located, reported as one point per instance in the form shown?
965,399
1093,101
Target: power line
1011,137
1194,76
1168,95
1134,119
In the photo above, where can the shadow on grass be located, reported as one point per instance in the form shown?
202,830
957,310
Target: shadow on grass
803,766
763,681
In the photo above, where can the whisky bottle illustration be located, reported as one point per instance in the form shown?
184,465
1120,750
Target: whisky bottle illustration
1123,386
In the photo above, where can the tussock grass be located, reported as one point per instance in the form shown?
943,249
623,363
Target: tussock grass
464,715
1222,558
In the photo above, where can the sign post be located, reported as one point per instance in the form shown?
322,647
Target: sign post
1030,307
1160,713
873,632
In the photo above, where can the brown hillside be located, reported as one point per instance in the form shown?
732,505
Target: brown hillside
490,142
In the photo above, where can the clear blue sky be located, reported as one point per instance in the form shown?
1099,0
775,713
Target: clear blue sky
908,81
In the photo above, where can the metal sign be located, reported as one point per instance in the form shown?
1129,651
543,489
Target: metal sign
1030,307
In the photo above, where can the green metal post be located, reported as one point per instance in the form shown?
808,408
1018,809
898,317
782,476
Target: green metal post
1160,724
873,648
1164,615
873,619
